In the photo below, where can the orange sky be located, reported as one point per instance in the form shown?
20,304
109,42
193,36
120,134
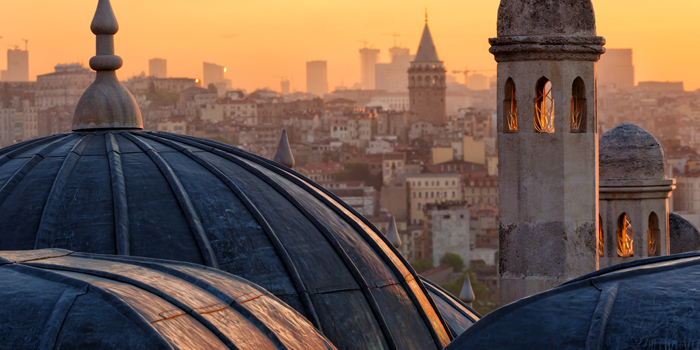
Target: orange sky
263,40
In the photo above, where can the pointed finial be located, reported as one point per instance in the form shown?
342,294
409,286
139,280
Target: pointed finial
426,15
393,234
467,294
106,104
284,152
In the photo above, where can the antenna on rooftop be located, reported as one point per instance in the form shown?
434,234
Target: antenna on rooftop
26,44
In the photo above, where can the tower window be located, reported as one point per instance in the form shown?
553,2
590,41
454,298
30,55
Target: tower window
579,108
653,235
510,108
544,107
625,238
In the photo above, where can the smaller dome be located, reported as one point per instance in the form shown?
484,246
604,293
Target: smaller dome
546,17
458,315
57,299
628,152
684,236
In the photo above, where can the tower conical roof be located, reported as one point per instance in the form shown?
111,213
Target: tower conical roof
426,49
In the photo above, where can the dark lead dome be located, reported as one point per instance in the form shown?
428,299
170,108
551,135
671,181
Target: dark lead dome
56,299
684,237
644,304
176,197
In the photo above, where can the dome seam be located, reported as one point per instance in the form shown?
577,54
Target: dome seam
183,199
299,285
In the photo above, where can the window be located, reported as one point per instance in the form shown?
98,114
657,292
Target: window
601,237
454,194
414,195
420,194
625,238
510,108
544,107
654,235
579,108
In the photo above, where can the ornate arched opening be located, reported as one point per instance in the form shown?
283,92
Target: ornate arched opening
653,235
544,107
579,105
510,108
625,240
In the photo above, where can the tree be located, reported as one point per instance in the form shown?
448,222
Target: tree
212,88
454,260
422,265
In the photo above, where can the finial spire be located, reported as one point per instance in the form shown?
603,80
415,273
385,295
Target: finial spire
284,152
467,294
426,15
106,104
392,233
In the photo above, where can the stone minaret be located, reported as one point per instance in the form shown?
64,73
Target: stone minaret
548,144
426,83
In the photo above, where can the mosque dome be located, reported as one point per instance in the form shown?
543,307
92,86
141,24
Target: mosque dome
628,152
546,18
175,197
57,299
684,237
109,188
458,315
643,304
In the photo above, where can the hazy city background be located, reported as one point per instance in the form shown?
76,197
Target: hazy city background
336,78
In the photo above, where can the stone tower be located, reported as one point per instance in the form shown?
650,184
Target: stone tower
426,83
634,192
548,144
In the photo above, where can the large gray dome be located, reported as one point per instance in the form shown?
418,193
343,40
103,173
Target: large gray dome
643,304
176,197
628,152
546,17
57,299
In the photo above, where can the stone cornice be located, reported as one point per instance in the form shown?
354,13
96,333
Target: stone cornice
547,48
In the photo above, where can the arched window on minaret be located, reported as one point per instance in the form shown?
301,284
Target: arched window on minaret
579,108
544,107
510,108
625,241
654,235
601,237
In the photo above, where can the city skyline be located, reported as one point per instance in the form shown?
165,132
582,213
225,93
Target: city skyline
261,42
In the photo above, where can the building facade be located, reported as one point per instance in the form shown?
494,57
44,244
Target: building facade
64,86
317,77
424,189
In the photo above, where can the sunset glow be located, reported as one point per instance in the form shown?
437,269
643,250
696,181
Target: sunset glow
264,40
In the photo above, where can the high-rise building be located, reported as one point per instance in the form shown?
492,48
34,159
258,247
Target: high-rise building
216,74
213,73
284,87
17,65
426,83
158,67
615,67
392,77
368,61
317,77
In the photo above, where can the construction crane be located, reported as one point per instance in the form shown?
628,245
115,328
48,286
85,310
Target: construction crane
395,35
26,44
467,71
365,42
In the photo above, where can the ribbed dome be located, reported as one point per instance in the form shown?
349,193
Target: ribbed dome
546,17
56,299
175,197
644,304
628,152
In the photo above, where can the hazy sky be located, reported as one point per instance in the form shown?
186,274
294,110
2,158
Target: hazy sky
262,40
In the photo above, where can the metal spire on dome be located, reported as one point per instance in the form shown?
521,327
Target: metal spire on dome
106,104
284,152
393,234
467,294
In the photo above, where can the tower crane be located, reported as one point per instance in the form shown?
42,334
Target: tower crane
466,72
395,35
